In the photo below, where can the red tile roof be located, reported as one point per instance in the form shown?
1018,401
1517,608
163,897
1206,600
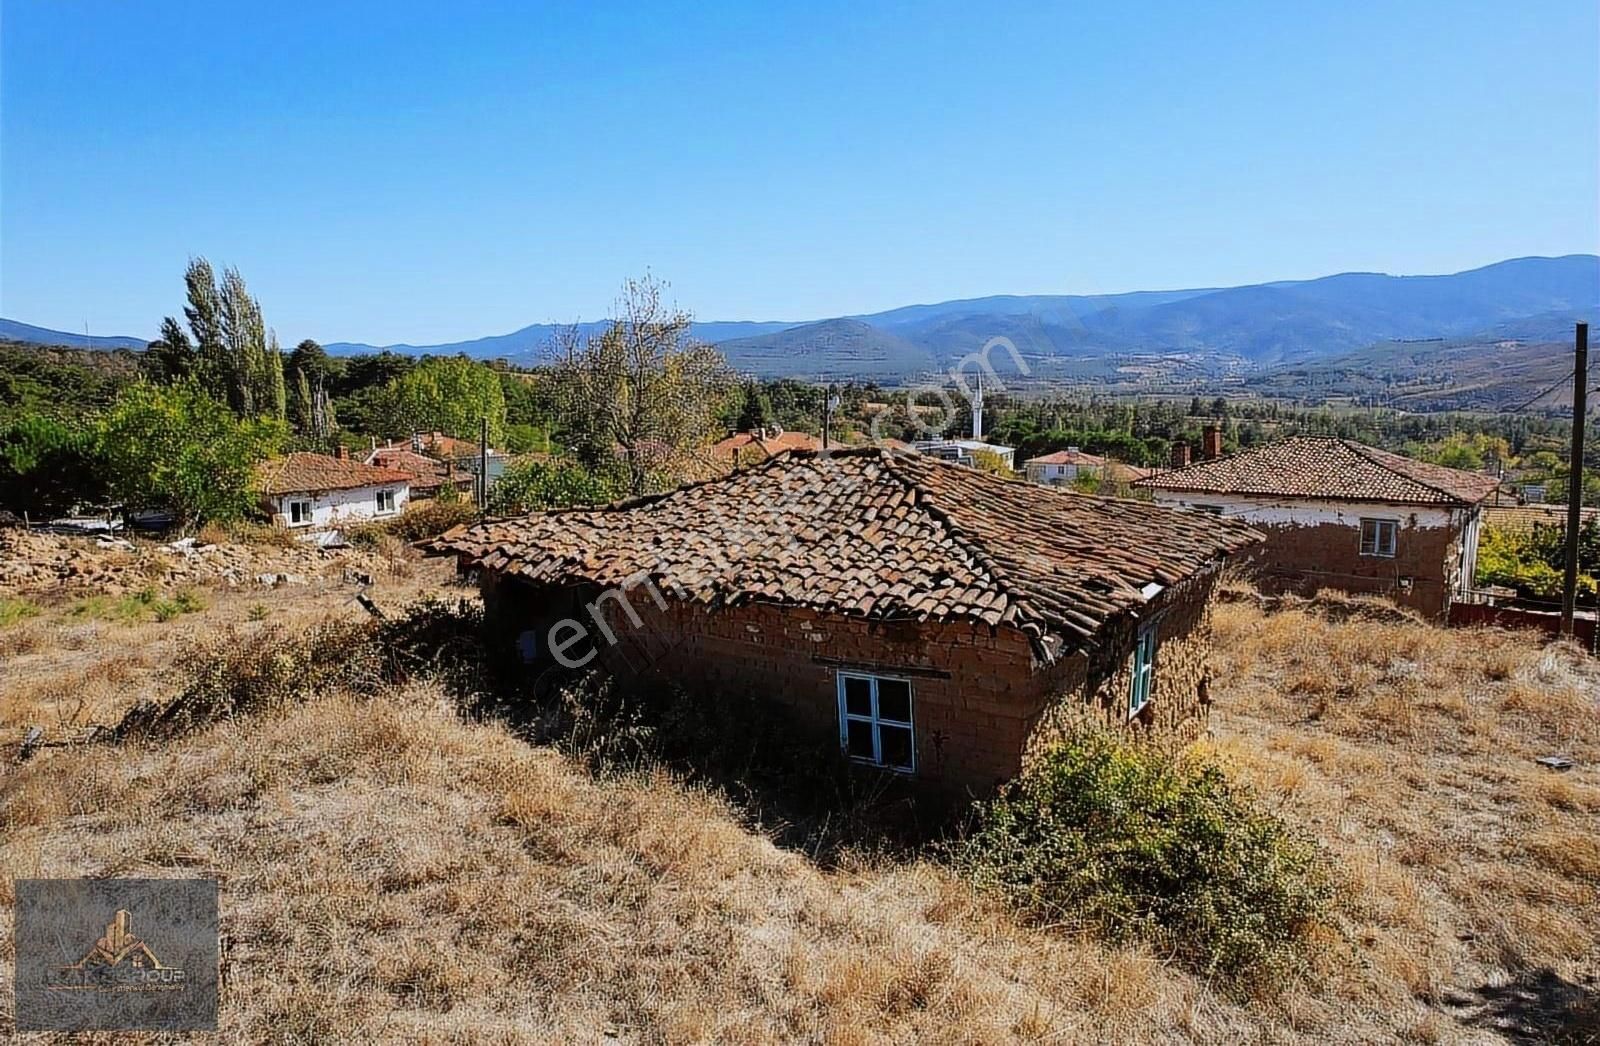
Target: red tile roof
746,444
426,473
303,472
874,533
437,443
1067,457
1329,468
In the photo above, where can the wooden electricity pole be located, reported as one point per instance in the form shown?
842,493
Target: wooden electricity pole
1580,389
483,464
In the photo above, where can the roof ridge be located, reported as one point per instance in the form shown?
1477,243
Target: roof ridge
1362,449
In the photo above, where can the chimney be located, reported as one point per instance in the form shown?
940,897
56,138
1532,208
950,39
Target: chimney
1211,442
342,452
1180,455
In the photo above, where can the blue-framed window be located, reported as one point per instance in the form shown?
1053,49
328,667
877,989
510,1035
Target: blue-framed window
875,721
1142,666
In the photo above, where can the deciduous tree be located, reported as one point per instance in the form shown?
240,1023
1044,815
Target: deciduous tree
641,393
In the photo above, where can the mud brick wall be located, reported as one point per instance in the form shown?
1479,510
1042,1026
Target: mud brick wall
979,697
1304,559
1093,686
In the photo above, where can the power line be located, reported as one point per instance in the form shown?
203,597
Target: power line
1539,396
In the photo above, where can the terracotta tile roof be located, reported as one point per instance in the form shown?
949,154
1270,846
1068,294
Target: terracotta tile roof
426,473
303,472
1523,518
1121,470
874,533
1330,468
440,445
1067,457
745,444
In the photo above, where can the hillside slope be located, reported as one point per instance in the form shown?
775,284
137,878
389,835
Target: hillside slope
391,871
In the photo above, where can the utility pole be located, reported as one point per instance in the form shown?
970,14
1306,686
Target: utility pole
1580,389
483,464
828,403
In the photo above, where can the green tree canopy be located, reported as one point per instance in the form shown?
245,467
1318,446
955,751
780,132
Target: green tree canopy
449,394
174,447
529,486
641,392
47,466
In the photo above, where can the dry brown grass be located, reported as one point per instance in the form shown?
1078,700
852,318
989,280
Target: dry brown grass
77,661
391,872
1411,751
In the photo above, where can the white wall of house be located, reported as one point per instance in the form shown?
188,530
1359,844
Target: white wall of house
332,507
1304,512
1058,473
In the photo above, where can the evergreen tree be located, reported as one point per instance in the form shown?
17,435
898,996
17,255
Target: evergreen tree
756,413
300,405
172,356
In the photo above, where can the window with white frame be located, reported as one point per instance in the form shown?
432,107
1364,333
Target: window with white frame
1142,669
299,512
385,502
875,721
1378,537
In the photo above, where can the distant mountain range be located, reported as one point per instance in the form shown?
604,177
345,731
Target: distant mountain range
11,330
1287,323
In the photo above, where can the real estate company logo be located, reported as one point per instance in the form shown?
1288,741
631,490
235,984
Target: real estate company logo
153,963
119,961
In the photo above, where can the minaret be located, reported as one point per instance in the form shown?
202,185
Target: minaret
977,409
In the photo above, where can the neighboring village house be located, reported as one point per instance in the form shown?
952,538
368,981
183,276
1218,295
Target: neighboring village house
1339,514
463,456
752,448
937,620
1065,466
428,475
1522,519
315,491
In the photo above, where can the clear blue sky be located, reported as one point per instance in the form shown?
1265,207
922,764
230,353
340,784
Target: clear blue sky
432,171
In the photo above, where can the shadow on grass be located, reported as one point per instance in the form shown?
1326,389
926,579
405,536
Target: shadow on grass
781,776
1539,1006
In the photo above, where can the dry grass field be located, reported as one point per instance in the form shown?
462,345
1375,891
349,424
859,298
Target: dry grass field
390,871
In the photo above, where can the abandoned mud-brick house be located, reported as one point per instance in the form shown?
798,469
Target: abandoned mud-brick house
1342,515
939,620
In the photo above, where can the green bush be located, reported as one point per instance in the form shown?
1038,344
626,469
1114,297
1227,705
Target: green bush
427,519
530,486
1531,561
1129,841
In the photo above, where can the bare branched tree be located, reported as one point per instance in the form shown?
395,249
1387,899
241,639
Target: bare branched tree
640,395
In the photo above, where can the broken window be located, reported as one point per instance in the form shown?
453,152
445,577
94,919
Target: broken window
875,721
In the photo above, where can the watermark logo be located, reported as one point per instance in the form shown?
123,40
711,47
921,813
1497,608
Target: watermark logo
151,966
119,961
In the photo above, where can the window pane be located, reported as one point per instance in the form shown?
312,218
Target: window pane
894,700
859,738
896,746
858,696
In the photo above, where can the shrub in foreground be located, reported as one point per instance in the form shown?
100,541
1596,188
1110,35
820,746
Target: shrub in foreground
1131,841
